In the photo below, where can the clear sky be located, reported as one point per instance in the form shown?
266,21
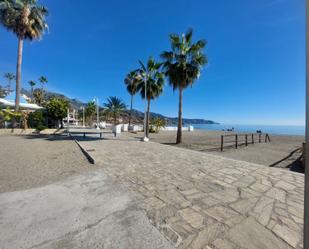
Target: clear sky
256,53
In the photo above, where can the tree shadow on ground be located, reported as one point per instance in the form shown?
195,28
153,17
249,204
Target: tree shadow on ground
57,137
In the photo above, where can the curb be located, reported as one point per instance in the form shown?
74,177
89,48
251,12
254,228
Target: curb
88,156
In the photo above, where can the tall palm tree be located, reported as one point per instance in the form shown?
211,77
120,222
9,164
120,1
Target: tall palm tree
9,77
114,106
183,66
27,21
43,80
32,84
131,82
151,83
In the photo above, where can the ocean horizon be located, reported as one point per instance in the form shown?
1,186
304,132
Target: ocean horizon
271,129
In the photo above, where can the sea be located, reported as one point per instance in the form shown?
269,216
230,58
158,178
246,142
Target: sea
271,129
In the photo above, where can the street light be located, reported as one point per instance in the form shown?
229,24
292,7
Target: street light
83,109
97,101
68,123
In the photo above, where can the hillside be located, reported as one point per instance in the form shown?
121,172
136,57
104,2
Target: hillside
137,116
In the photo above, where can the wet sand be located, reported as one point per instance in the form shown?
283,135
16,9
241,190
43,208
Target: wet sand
283,150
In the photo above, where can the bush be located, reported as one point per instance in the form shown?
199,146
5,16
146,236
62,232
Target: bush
56,110
157,124
37,120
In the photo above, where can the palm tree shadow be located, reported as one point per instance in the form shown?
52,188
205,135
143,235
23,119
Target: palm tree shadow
297,166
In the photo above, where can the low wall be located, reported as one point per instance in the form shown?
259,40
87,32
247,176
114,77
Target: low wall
167,128
174,128
30,131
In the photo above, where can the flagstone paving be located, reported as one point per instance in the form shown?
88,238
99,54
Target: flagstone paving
199,200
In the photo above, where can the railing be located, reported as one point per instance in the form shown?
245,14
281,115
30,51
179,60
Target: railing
249,138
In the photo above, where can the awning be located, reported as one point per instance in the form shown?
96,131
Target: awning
24,106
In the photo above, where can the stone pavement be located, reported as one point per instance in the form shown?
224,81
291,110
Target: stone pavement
86,211
198,200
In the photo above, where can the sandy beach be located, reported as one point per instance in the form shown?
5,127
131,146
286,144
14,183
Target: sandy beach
51,195
32,161
283,151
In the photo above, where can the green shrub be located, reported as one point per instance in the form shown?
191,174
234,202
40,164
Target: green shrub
157,124
37,120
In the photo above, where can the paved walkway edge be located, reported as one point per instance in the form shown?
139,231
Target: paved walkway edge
87,155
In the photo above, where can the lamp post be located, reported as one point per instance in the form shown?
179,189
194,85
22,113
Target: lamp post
68,123
145,138
83,109
98,121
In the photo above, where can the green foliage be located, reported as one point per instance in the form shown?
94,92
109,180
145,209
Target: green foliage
9,77
132,81
31,83
154,79
114,106
43,80
7,114
38,96
56,110
3,92
183,64
157,124
90,109
37,120
24,18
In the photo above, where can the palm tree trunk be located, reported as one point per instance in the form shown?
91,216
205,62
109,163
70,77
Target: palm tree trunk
18,73
148,118
115,119
179,129
131,109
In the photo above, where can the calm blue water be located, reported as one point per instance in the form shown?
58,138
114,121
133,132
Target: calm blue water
271,129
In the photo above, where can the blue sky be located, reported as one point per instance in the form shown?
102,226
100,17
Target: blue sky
256,53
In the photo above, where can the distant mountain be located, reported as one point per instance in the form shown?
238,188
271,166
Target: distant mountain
137,116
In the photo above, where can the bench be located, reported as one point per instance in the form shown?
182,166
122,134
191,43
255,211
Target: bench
84,133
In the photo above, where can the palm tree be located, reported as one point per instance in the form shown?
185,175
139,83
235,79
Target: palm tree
151,83
27,21
131,82
183,66
32,84
9,77
43,80
114,106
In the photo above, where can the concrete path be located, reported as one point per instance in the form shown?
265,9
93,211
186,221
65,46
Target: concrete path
86,211
199,200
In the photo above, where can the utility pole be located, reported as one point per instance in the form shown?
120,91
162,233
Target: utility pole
145,138
306,201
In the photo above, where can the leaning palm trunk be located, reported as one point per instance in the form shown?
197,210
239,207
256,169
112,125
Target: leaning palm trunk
179,129
18,73
148,118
